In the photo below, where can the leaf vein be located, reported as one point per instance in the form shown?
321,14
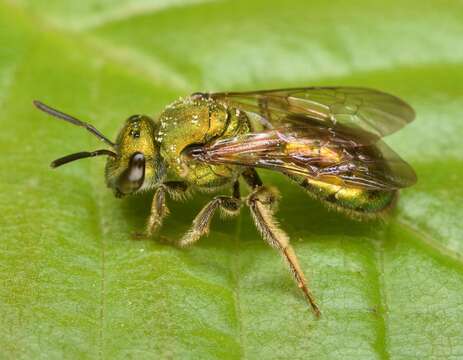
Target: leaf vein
432,243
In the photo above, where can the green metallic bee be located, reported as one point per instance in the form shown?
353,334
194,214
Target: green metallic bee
326,139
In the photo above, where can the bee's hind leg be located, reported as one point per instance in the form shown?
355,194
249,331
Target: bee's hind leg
262,202
230,206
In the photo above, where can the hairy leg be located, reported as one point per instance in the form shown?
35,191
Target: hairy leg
159,210
262,202
230,205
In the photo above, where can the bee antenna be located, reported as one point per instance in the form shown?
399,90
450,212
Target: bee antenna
60,115
81,155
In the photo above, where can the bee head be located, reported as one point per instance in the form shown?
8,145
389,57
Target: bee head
133,164
138,165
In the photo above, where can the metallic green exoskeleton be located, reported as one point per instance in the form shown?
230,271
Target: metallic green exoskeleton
327,140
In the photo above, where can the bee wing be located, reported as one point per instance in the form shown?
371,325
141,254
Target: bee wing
325,157
366,114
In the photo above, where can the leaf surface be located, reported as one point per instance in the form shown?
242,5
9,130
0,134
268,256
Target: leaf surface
74,284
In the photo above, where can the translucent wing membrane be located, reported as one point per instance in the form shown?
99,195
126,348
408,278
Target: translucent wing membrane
330,134
321,156
364,114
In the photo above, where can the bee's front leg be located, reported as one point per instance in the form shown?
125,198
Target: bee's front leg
159,210
230,205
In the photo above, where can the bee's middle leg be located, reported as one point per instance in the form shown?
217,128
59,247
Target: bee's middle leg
230,206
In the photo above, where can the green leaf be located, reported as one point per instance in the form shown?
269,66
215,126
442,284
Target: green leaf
75,285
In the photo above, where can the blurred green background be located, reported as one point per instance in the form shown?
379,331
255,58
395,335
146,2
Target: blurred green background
73,284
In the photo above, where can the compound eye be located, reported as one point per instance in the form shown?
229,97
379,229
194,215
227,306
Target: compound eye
136,169
132,178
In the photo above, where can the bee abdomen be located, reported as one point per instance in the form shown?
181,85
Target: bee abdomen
355,202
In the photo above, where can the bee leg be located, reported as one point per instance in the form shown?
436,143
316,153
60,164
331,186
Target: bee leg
262,202
159,209
230,206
